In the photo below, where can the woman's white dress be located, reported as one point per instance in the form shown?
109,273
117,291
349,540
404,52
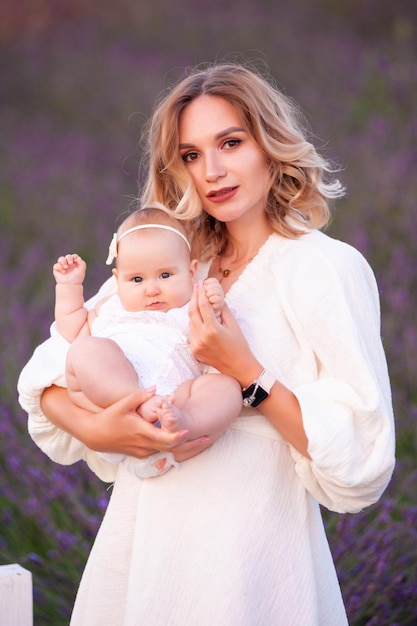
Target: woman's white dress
234,536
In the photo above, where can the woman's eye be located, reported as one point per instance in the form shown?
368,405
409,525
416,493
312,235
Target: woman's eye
190,156
231,143
165,275
137,279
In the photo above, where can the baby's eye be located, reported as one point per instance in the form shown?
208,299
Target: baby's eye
165,274
190,156
137,279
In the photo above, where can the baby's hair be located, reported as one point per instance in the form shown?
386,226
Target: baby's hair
150,218
151,213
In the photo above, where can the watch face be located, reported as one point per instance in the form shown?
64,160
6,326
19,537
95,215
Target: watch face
254,395
260,396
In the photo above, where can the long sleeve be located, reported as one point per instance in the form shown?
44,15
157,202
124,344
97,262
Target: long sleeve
46,367
332,304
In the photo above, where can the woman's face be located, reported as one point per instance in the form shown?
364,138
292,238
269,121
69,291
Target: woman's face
228,168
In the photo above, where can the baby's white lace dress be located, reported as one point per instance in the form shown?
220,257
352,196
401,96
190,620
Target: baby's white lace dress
156,343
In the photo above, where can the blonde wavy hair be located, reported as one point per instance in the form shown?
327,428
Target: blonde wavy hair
298,185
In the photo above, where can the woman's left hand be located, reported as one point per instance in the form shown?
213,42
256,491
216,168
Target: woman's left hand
220,344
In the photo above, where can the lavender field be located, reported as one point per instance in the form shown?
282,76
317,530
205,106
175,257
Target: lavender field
78,78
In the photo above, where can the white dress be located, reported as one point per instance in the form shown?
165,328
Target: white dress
234,537
155,342
157,345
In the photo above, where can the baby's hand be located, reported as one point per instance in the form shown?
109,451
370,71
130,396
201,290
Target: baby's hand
69,270
214,294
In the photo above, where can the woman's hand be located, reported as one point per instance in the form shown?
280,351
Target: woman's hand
220,344
140,438
223,346
118,428
187,450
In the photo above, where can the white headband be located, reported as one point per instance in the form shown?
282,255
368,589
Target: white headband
116,239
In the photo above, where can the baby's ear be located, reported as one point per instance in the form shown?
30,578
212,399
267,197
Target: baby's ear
193,267
114,272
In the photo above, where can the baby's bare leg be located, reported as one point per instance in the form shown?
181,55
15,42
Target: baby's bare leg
204,406
98,373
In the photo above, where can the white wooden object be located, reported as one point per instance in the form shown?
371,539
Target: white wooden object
16,604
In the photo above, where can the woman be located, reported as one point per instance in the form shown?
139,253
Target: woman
235,536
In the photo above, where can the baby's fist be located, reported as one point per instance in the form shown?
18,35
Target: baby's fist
69,269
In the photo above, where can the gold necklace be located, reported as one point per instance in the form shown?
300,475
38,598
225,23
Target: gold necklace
227,271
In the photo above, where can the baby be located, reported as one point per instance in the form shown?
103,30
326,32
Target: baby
139,335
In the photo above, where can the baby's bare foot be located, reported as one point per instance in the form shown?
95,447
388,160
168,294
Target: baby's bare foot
149,409
171,417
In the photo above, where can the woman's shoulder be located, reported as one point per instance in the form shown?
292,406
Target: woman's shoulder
108,288
316,262
317,249
316,266
111,303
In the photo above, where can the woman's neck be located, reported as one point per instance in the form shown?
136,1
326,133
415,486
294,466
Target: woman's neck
244,243
239,252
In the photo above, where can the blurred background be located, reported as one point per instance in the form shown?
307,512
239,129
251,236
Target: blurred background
78,79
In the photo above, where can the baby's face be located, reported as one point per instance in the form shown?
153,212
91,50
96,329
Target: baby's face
154,271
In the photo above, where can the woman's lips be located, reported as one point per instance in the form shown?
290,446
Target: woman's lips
220,195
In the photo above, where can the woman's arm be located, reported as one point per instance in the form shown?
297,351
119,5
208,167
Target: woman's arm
339,422
118,428
224,347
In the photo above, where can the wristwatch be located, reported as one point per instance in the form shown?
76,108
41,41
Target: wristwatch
259,390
